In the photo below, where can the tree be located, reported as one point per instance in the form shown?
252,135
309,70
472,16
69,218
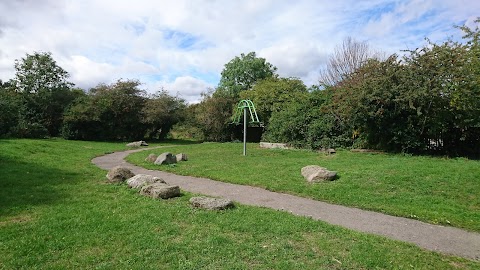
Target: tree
272,94
241,74
346,59
427,101
161,112
45,94
107,112
10,104
189,127
308,123
39,72
213,116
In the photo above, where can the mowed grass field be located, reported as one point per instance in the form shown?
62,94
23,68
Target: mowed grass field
58,212
433,189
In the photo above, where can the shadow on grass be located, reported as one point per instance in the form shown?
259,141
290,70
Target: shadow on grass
24,185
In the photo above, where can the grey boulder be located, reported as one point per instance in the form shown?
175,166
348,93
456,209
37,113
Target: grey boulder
165,158
137,144
314,173
151,158
211,203
119,174
181,157
141,180
160,191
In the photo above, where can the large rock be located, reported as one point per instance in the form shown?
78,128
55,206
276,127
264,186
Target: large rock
141,180
151,158
314,173
137,144
181,157
211,203
119,174
160,191
165,158
274,145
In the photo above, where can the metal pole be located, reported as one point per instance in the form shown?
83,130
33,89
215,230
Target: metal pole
245,131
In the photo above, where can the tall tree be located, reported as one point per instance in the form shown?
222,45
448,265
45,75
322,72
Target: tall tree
45,91
241,73
346,59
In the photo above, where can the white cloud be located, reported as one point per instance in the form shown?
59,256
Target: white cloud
187,87
295,59
183,45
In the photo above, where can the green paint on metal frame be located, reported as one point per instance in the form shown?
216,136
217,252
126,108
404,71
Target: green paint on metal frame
248,104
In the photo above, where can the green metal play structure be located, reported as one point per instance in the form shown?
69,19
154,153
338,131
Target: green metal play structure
246,107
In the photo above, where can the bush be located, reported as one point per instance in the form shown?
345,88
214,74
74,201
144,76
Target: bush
308,124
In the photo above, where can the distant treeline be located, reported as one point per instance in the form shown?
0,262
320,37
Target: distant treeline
40,102
427,101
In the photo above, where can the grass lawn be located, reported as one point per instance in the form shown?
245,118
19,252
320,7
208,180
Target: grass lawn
432,189
57,212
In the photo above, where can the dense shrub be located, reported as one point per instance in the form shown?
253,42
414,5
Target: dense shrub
308,123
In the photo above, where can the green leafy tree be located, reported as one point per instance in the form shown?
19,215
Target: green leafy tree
188,128
308,123
272,94
45,91
368,108
213,115
241,74
426,101
444,95
10,104
107,112
161,112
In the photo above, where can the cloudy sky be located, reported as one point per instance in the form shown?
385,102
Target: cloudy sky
182,45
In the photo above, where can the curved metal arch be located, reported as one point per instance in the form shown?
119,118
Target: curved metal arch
246,104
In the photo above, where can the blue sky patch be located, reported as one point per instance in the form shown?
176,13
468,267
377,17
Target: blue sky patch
376,12
183,40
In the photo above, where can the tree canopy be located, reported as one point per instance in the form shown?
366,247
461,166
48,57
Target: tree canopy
122,111
272,94
427,101
44,93
241,74
346,59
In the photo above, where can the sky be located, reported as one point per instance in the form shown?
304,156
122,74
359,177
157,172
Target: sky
182,45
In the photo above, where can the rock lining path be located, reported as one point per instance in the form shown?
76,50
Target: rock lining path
438,238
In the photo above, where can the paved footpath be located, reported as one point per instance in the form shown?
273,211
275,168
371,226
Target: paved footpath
438,238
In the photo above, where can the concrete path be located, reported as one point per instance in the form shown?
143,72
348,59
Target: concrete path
438,238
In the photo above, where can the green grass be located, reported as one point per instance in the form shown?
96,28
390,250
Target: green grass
58,212
436,190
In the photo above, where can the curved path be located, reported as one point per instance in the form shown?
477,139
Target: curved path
438,238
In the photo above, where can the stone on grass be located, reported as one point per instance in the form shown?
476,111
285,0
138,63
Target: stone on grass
314,173
181,157
211,203
331,151
141,180
160,191
274,145
137,144
119,174
165,158
151,158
